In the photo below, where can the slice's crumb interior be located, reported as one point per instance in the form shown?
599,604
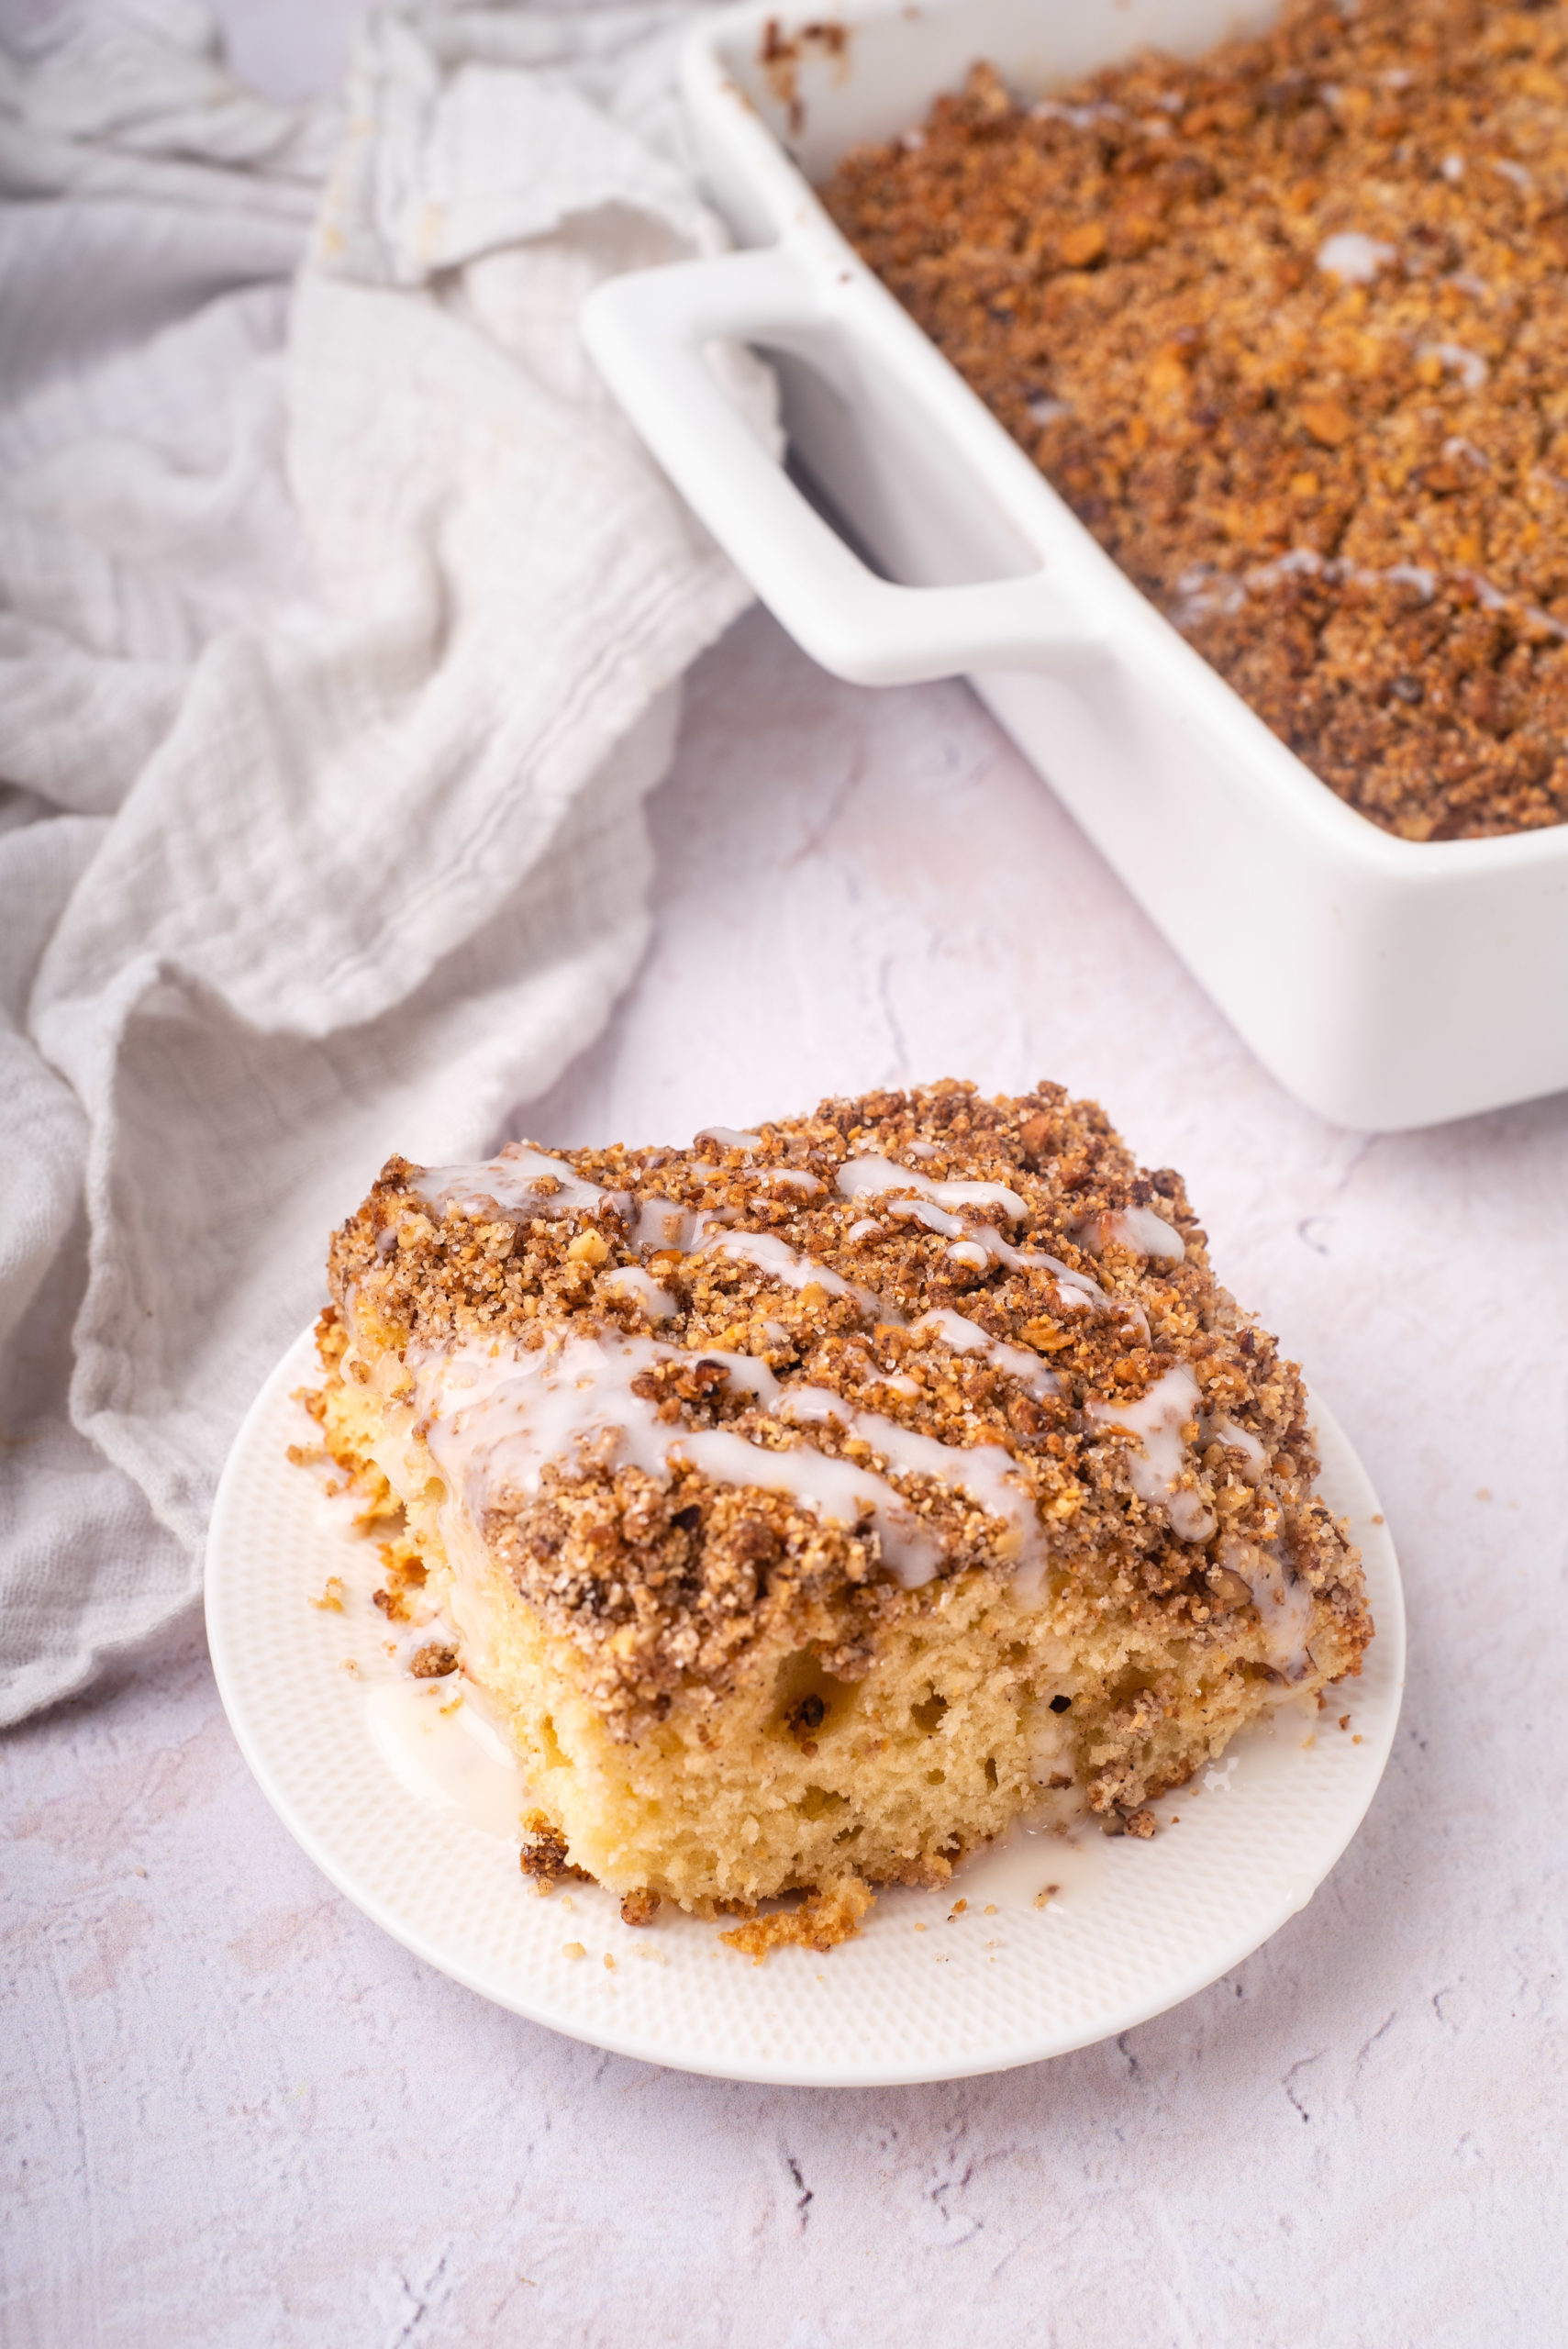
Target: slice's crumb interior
1286,326
814,1504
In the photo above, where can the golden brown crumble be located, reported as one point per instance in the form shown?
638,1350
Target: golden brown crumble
544,1855
401,1563
1287,327
820,1921
1140,1822
665,1588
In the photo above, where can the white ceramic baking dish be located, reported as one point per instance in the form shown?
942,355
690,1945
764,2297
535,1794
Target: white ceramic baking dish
1387,984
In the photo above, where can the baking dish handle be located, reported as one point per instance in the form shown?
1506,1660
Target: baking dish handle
646,333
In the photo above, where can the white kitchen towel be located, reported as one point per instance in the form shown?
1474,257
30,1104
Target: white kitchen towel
341,626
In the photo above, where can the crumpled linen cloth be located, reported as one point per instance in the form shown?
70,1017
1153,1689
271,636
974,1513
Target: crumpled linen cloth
342,622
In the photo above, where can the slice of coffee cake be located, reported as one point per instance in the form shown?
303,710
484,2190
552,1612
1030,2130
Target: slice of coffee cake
814,1503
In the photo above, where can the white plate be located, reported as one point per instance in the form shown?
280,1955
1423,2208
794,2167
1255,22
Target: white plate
410,1817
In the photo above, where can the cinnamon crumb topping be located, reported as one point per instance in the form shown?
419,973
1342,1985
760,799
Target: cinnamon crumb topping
820,1921
544,1855
1287,327
666,1586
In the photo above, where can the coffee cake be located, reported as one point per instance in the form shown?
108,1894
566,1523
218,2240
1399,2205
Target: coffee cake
814,1503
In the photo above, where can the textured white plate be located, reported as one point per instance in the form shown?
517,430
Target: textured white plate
407,1816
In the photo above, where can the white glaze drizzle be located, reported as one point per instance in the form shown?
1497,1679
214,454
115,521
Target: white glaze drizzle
1075,1291
859,1177
660,1224
1284,1603
839,1490
976,1245
986,1472
979,1244
966,1337
630,1280
1353,257
1156,1421
1137,1228
526,1182
1468,365
494,1420
728,1137
1219,1429
782,1262
926,1211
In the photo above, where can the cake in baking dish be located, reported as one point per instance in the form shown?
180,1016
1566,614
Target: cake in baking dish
814,1503
1286,324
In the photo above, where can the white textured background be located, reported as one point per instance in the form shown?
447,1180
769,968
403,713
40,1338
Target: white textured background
231,2113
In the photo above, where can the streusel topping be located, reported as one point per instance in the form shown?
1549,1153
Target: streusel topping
979,1319
1287,326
